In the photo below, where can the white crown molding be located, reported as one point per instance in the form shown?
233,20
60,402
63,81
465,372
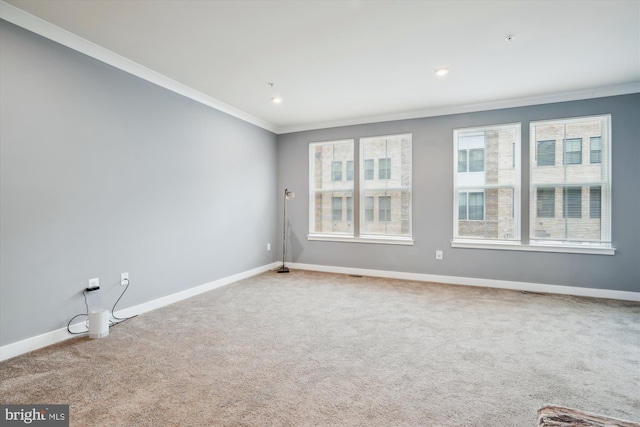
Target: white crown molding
471,281
621,89
49,338
45,29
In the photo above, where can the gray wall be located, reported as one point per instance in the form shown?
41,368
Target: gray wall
102,173
433,202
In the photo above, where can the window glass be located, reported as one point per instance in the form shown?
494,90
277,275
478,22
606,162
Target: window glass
546,153
368,169
581,189
476,160
384,168
487,183
595,154
336,171
336,208
572,202
327,188
545,202
391,188
573,151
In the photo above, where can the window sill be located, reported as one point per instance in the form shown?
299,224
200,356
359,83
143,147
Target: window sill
395,240
533,247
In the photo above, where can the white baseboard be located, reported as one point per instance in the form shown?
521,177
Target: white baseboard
30,344
470,281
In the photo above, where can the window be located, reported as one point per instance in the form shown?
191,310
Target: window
580,187
368,208
573,151
463,206
595,147
546,202
336,171
375,209
471,160
546,153
349,170
471,206
389,190
487,183
384,208
463,165
336,208
327,189
572,202
368,169
595,202
476,160
384,168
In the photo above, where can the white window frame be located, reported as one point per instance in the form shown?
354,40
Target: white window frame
312,190
604,248
527,241
359,209
464,241
395,238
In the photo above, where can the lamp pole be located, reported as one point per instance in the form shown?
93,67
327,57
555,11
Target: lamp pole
288,195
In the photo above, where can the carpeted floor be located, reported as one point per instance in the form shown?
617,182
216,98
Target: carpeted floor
318,349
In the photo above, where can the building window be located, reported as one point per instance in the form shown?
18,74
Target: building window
595,202
327,189
368,208
471,160
572,202
383,202
384,168
573,151
392,192
546,202
349,170
476,160
336,208
546,153
384,208
336,171
487,183
368,169
463,161
471,206
595,149
572,180
463,206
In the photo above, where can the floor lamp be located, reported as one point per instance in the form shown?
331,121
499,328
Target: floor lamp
288,195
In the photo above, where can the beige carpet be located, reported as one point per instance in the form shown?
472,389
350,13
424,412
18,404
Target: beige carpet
317,349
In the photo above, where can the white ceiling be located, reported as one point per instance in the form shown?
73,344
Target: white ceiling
350,61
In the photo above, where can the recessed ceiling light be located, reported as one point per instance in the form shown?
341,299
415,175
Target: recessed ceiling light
509,38
276,100
442,72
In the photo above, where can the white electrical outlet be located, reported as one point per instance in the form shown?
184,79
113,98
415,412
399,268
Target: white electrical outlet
268,246
94,283
124,279
438,254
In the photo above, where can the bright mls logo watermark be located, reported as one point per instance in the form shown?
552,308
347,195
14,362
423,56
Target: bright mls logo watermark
35,415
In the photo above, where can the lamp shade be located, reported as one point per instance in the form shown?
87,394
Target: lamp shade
288,194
